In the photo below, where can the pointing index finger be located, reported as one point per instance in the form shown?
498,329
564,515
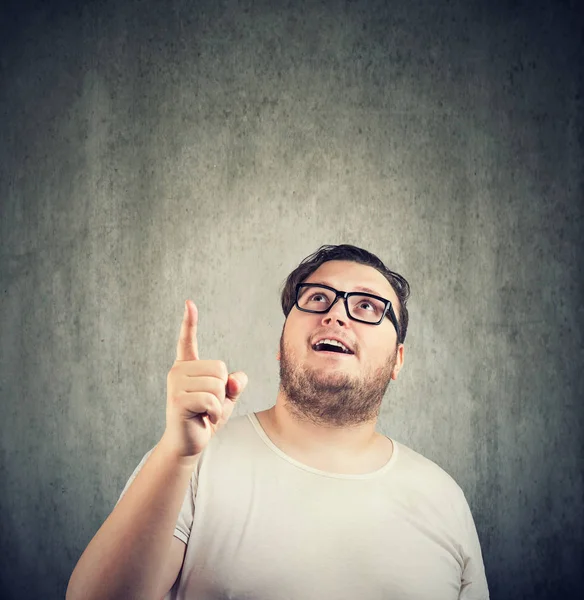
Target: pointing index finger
187,347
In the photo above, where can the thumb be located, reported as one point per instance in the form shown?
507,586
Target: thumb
236,383
187,347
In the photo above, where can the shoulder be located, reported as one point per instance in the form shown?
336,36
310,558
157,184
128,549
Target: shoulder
432,491
237,425
424,474
238,432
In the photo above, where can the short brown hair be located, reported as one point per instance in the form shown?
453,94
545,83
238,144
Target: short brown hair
350,253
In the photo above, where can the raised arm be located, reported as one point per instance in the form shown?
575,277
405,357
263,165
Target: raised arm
134,554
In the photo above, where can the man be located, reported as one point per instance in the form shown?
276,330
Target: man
304,500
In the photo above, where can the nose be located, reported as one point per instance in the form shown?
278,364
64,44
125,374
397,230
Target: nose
336,313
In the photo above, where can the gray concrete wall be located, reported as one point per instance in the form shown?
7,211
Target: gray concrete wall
157,151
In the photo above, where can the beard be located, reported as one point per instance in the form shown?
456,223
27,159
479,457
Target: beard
333,399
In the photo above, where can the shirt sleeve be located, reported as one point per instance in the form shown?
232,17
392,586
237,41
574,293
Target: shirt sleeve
184,523
474,582
133,475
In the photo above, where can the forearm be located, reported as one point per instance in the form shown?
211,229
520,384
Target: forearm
127,556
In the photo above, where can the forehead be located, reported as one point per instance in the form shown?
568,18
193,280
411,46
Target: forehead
350,276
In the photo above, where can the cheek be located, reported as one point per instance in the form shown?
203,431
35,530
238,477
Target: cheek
297,330
294,338
377,351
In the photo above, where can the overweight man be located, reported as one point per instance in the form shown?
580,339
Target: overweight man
305,500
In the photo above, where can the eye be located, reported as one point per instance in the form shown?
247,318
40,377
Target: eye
367,308
366,305
315,298
318,297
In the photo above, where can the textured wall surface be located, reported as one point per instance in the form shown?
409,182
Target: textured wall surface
156,151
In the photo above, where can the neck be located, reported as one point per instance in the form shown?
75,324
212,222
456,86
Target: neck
304,434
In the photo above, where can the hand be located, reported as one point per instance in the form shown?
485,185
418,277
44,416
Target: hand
200,393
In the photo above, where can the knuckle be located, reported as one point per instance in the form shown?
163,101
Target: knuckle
212,403
198,402
174,369
172,382
208,404
222,370
176,397
219,390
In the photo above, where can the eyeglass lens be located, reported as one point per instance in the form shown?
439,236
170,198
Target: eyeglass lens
319,299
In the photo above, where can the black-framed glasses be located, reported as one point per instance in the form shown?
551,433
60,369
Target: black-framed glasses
362,307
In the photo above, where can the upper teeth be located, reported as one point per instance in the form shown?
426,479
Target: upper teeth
333,343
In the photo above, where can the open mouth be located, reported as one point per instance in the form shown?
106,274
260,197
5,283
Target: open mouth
331,346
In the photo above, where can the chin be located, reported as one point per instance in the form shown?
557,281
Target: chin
331,377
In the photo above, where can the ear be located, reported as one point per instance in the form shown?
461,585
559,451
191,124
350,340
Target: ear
399,362
278,355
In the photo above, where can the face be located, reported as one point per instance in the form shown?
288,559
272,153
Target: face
332,388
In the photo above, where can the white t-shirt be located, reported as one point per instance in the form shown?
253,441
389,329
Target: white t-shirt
260,525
